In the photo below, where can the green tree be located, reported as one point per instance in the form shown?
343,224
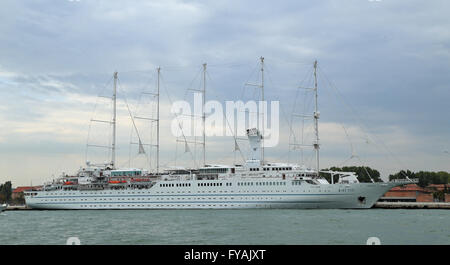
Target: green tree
439,196
425,177
5,192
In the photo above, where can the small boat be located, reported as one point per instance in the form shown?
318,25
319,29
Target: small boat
3,207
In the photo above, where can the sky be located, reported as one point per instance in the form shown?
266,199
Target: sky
383,79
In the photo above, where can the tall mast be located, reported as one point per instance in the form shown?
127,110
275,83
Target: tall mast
258,116
262,100
316,119
157,126
113,147
203,114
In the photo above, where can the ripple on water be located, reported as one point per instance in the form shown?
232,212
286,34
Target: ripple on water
226,226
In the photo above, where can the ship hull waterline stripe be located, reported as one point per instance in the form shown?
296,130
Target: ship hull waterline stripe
193,202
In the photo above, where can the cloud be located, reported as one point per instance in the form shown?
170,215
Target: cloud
388,60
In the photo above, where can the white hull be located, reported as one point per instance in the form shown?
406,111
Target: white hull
222,194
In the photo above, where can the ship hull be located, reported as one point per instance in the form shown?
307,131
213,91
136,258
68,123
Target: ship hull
280,195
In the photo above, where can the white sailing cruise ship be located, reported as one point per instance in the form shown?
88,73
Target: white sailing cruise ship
255,184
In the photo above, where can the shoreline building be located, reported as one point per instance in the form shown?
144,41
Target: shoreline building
414,193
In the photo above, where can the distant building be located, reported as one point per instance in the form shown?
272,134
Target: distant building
17,193
439,187
407,193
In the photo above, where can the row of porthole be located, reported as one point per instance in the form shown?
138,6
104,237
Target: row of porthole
231,198
119,199
203,192
102,193
168,205
138,198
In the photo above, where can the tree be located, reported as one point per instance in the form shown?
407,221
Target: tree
425,177
5,192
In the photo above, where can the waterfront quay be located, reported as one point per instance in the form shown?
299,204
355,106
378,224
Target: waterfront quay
412,205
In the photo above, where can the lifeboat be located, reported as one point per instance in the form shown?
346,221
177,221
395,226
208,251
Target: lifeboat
116,181
69,183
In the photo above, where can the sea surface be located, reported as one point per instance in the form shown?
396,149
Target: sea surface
226,227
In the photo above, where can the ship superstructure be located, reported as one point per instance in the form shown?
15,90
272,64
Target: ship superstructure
254,184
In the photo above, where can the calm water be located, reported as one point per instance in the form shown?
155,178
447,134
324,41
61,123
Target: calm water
253,227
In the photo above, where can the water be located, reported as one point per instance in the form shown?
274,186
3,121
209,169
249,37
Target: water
248,227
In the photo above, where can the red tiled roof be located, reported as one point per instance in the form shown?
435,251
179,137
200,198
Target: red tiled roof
408,187
21,189
438,186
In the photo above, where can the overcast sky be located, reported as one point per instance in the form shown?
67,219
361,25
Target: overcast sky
384,72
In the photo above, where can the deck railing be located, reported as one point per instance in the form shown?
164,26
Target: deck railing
416,180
